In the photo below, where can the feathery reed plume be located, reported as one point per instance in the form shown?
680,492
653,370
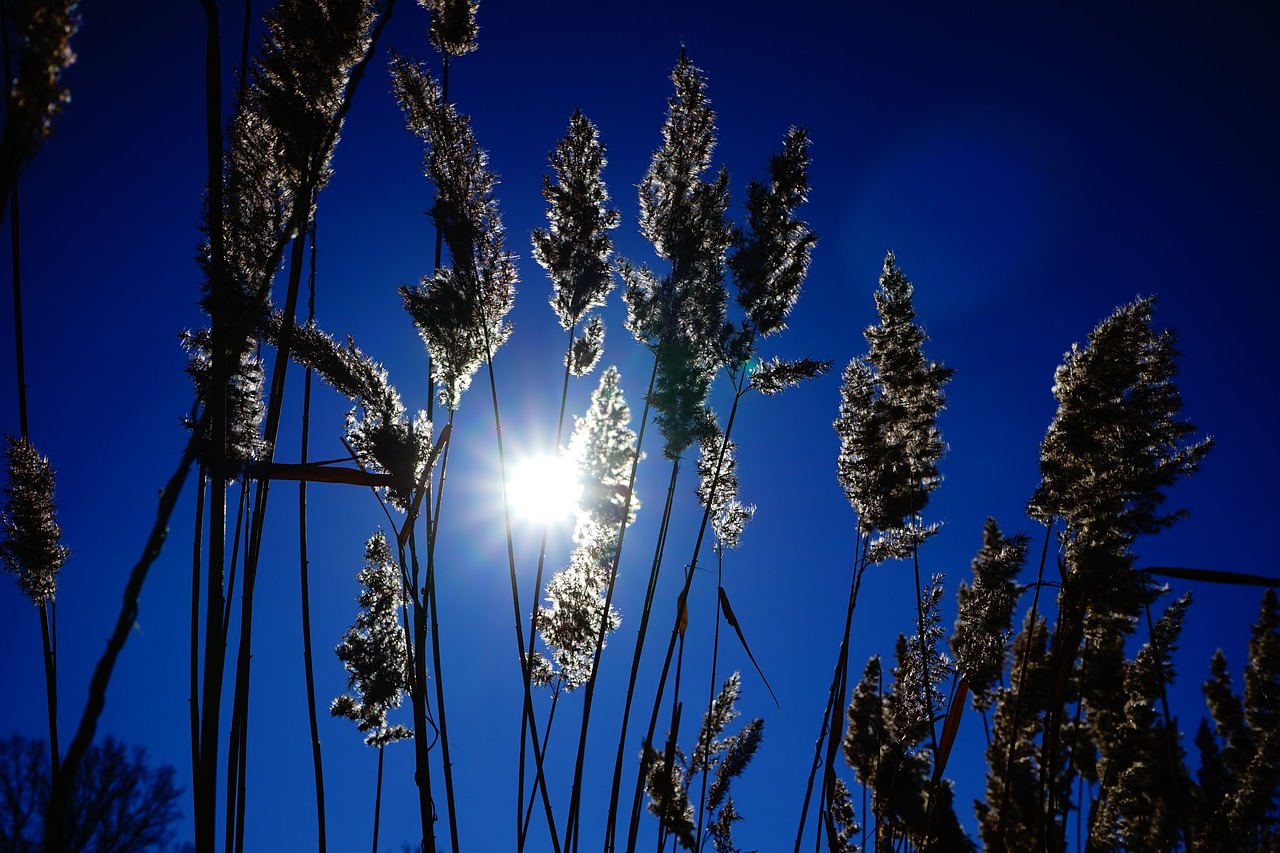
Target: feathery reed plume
771,255
453,25
379,430
722,759
603,446
680,316
1115,445
880,744
1239,745
376,655
576,246
459,311
888,467
1143,781
984,615
374,650
35,95
575,252
717,489
31,548
889,439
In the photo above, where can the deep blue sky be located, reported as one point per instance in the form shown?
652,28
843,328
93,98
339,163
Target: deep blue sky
1032,166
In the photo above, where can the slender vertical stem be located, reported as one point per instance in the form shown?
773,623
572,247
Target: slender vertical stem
711,695
433,613
677,633
533,621
204,786
828,734
197,554
418,698
304,565
924,650
377,800
50,685
611,820
60,796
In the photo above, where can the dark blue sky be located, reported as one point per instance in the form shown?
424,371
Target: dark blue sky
1032,166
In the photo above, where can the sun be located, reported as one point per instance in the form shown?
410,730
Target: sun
544,489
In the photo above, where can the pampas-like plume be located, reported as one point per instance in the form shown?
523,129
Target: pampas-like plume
1115,445
575,248
723,759
453,25
374,650
771,255
460,310
603,444
680,316
889,404
36,95
31,548
984,617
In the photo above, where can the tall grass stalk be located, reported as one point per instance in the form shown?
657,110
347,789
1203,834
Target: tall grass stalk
571,831
305,584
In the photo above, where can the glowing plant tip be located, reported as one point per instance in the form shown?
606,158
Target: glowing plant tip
545,489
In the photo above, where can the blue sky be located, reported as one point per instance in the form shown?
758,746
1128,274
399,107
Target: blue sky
1032,166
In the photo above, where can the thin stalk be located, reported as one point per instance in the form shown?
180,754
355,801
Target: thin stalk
515,594
275,402
205,771
711,693
50,685
377,800
433,611
197,553
546,737
677,632
599,650
418,699
832,725
18,345
48,637
304,565
650,591
924,651
60,795
242,512
533,617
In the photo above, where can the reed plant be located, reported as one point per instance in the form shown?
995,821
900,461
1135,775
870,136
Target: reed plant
1068,670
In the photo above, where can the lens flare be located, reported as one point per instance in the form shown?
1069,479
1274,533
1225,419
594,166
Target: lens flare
544,489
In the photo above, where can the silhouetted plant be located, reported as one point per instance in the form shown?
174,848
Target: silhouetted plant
34,93
576,247
888,467
984,615
376,655
722,759
31,549
1239,774
459,310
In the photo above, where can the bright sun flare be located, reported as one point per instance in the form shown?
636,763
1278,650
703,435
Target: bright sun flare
544,489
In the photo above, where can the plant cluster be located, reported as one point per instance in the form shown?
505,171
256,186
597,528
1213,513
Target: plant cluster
1073,700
